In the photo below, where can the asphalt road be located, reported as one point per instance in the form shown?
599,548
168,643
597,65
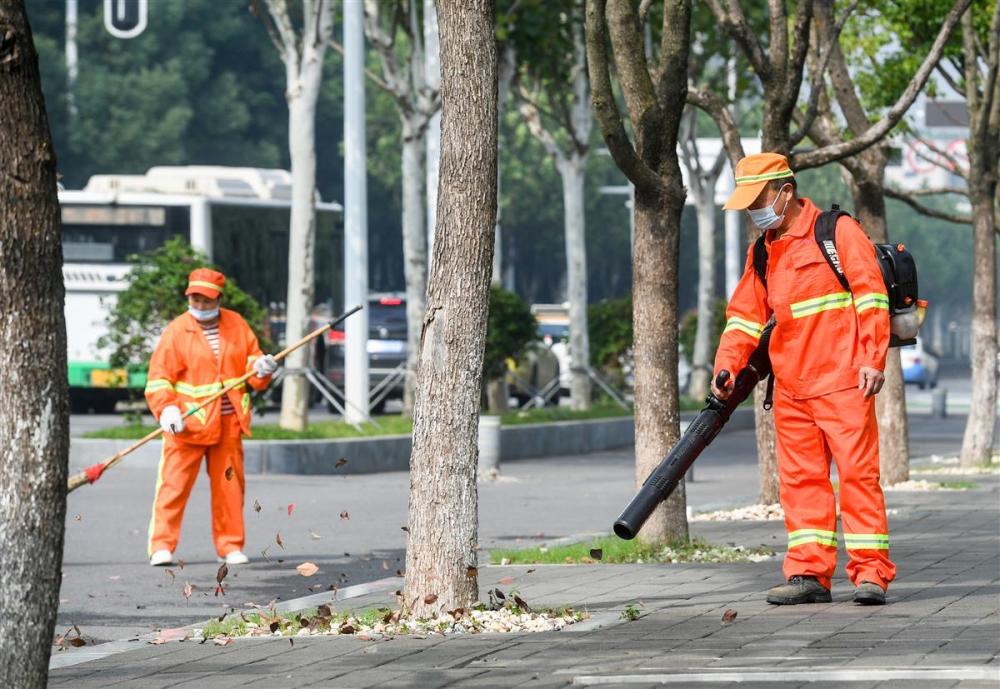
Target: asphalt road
111,592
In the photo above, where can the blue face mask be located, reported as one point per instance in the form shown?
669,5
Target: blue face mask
204,315
765,218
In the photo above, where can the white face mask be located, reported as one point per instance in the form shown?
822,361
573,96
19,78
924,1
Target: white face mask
766,218
204,315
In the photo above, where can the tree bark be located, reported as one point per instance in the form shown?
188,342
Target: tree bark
34,413
414,251
432,139
767,456
497,394
303,59
890,404
700,367
573,172
654,327
443,528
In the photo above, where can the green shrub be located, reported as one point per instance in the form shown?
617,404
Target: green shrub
610,328
510,329
689,327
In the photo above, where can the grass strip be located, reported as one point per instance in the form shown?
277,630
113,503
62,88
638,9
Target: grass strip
613,550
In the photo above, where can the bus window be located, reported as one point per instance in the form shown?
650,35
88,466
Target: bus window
112,234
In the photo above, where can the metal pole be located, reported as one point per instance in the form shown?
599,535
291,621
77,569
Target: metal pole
733,244
432,77
355,215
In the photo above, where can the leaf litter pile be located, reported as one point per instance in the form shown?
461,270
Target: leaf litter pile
503,613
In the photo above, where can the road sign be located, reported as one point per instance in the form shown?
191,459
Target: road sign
125,18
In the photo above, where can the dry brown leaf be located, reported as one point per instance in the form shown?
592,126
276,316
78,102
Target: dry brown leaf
188,589
221,574
307,569
728,616
256,506
345,515
230,472
596,553
180,563
385,565
471,571
223,641
430,599
277,539
405,528
340,462
76,642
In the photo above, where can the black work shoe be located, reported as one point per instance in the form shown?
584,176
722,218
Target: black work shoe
799,589
868,593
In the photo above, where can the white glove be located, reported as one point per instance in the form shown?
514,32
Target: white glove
265,366
171,420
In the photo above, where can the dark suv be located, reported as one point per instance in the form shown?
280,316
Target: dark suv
386,348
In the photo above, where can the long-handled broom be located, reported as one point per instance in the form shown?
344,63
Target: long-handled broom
93,472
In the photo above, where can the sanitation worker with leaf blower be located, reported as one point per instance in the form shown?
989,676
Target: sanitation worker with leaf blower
200,353
828,350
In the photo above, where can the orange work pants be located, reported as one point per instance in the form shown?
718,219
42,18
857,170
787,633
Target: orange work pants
179,464
842,426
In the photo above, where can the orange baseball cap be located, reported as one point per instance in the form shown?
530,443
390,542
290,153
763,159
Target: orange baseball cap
206,282
753,174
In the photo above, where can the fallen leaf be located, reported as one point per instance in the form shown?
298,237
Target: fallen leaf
263,554
405,528
324,611
728,616
171,573
345,515
597,553
180,563
530,570
430,599
230,472
291,508
315,536
506,581
223,641
340,462
277,539
400,573
499,594
521,604
291,641
76,642
274,626
307,569
221,574
256,506
188,589
346,629
223,616
471,571
78,517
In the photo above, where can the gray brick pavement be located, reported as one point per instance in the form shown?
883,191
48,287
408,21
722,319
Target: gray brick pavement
941,628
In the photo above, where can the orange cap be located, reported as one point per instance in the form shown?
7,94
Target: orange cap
206,282
752,175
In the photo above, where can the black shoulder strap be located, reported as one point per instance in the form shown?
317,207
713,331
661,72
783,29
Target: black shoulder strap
826,233
760,260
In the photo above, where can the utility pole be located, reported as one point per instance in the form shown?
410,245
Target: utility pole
734,267
432,77
355,215
72,58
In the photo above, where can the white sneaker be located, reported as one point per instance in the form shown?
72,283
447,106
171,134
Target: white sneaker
161,557
237,557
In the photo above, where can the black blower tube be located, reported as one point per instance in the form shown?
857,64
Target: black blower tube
702,431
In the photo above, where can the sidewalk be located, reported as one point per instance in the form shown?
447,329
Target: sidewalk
940,629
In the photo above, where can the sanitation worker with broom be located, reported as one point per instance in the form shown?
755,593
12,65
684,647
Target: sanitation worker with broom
199,353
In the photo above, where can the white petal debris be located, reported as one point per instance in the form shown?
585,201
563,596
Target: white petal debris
921,485
748,513
949,466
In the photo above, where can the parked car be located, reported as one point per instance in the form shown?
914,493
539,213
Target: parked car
920,366
386,347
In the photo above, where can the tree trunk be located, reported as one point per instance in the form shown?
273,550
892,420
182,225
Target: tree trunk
654,324
432,77
767,456
701,368
890,403
34,414
303,77
977,444
497,394
506,70
443,528
414,252
573,171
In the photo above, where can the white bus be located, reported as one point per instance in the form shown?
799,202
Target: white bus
238,217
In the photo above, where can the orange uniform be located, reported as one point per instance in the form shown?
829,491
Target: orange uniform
183,371
822,336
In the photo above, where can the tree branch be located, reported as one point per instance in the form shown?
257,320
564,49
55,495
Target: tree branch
608,116
713,105
815,158
265,18
644,10
375,79
923,209
793,82
734,22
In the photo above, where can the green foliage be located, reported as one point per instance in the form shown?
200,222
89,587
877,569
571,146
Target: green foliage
613,550
510,329
610,328
689,328
155,296
630,613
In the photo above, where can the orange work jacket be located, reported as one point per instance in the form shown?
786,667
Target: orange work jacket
184,371
823,334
